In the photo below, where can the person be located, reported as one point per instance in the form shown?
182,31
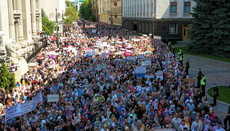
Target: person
199,78
203,84
187,67
215,94
227,120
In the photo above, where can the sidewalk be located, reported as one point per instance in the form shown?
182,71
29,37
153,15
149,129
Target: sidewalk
215,72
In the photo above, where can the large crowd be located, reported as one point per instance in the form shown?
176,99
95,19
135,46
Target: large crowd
94,73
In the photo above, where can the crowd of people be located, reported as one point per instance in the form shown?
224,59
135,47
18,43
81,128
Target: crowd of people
103,92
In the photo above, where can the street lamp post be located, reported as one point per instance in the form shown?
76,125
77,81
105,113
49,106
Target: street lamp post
154,17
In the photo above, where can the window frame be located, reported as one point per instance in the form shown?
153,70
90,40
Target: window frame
187,6
176,26
171,5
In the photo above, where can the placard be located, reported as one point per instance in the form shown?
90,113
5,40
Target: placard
103,55
88,52
140,70
94,31
140,56
52,98
131,58
146,63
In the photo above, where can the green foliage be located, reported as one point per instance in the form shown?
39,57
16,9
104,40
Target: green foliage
47,25
7,80
210,32
71,13
86,10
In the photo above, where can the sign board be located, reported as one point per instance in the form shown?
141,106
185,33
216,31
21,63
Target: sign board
88,52
103,55
131,58
52,98
140,70
190,80
146,63
94,31
157,37
140,56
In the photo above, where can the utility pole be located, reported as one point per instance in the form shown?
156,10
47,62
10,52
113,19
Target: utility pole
57,29
154,16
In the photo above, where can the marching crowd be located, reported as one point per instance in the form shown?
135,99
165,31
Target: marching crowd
104,93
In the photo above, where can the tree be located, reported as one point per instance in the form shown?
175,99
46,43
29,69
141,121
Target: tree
47,25
86,10
210,29
71,13
7,80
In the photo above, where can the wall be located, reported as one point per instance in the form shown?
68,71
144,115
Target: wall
50,6
4,21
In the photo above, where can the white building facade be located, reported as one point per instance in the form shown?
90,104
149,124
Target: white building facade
167,18
53,8
20,24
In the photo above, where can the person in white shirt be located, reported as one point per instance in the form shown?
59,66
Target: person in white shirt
184,126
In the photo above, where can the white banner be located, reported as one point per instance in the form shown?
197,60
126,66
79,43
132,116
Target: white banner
23,108
26,107
13,112
52,98
37,99
140,70
98,43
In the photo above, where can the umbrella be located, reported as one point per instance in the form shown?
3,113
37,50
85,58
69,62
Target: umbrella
127,54
53,56
43,32
88,49
129,51
112,50
32,64
148,52
53,39
129,47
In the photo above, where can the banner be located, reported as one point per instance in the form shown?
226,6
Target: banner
21,109
52,98
159,74
140,56
38,98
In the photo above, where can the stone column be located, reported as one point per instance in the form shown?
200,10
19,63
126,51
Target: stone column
33,17
40,17
20,28
11,20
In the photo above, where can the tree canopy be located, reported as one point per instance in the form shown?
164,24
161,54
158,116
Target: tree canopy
210,32
86,10
7,80
47,25
71,13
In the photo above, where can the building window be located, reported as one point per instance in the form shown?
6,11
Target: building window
173,7
172,28
187,7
